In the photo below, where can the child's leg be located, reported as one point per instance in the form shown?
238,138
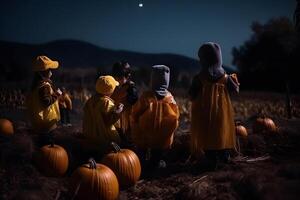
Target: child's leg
223,155
45,138
156,158
211,156
62,115
142,154
67,112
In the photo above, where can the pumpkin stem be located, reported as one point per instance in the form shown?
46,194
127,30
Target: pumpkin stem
115,146
92,163
238,122
51,142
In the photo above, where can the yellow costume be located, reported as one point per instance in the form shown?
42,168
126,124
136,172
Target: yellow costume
212,116
42,118
99,115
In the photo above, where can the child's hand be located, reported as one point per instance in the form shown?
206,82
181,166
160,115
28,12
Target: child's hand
234,78
119,108
58,92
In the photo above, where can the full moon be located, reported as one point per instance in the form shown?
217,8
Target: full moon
141,5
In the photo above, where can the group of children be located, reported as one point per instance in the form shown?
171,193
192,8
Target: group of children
146,122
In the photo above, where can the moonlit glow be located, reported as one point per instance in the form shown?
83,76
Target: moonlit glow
141,5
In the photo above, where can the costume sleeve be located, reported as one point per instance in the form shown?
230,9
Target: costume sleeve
175,108
109,115
68,102
233,84
132,94
46,95
139,108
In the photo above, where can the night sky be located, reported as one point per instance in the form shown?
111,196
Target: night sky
172,26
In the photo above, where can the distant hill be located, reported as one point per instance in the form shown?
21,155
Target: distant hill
16,58
77,54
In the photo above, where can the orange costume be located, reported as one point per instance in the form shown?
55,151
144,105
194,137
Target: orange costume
154,121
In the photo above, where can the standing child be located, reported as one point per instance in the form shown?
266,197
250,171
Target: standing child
213,129
42,101
155,118
65,106
101,115
126,93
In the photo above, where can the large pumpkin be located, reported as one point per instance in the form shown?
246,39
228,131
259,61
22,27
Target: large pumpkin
6,127
52,160
240,129
125,164
264,125
95,181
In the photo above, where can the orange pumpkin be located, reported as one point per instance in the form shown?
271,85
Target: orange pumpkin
240,129
95,181
53,160
264,125
6,127
125,164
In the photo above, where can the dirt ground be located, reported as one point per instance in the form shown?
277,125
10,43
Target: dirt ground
266,166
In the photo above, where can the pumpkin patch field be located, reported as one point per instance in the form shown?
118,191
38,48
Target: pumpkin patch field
264,165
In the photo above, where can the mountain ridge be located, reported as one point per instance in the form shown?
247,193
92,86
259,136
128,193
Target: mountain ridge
75,53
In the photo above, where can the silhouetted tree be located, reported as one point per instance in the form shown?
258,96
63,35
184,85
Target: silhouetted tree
270,57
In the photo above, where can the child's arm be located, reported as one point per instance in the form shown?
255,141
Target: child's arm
69,102
110,117
175,109
46,94
233,83
132,94
139,108
195,88
174,106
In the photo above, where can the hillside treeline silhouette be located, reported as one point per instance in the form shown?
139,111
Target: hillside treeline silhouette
270,58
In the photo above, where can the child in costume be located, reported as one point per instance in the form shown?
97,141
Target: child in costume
101,116
42,104
65,106
155,118
126,93
212,127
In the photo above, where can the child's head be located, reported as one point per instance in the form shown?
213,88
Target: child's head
46,74
210,55
106,85
210,58
43,65
160,77
121,71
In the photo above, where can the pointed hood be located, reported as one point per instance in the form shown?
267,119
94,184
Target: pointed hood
211,59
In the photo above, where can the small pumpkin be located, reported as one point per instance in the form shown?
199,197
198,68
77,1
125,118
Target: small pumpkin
264,125
6,127
94,181
53,160
125,164
240,129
